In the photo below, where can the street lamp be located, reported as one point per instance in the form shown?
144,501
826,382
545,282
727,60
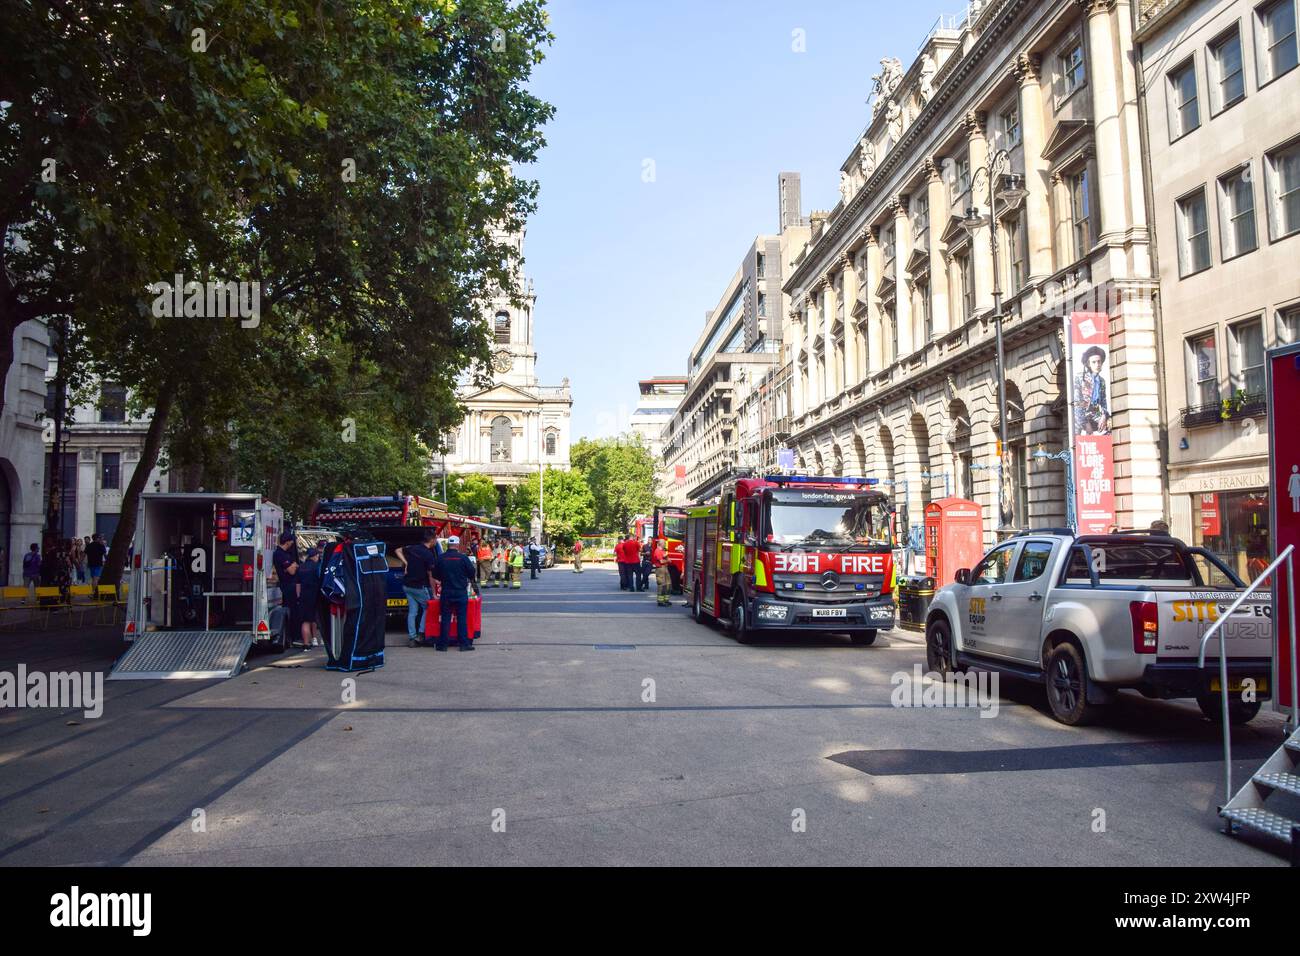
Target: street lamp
1011,192
1067,457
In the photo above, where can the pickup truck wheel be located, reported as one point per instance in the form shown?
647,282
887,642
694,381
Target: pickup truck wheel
1239,711
1067,686
938,647
863,638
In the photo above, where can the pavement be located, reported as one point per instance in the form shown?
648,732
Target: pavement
592,727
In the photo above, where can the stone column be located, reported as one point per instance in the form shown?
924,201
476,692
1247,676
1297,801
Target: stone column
814,395
874,337
937,196
1104,74
795,345
902,287
826,288
981,194
1037,208
852,369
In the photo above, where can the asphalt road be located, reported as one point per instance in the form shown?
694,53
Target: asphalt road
546,746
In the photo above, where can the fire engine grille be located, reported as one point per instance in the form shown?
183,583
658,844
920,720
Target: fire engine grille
172,655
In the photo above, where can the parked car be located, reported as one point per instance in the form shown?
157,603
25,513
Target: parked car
1086,616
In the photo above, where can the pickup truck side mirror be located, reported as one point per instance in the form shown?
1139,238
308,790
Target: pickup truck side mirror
963,576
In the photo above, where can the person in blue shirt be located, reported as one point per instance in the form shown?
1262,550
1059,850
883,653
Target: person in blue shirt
458,574
419,561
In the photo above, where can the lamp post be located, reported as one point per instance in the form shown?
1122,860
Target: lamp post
1068,457
1012,192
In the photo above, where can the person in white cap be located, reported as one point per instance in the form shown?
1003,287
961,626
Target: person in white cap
458,575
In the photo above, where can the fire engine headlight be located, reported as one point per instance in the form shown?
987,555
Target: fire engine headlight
773,612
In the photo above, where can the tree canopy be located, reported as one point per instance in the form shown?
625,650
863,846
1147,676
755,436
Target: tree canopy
621,475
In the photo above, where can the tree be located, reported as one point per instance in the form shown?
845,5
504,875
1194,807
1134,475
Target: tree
621,475
472,494
350,160
570,506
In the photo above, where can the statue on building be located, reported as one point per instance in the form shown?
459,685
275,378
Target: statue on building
866,157
846,187
928,69
884,83
894,121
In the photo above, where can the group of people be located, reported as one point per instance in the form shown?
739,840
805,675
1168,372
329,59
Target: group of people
71,559
449,573
636,562
300,581
501,562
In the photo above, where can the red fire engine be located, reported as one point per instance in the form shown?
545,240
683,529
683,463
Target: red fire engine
667,528
794,553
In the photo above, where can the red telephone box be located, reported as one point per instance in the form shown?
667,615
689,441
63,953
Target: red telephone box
954,538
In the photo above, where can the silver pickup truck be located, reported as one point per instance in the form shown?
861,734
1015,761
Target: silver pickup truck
1088,615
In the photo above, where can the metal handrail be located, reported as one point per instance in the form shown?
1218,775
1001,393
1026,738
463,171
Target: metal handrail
1285,556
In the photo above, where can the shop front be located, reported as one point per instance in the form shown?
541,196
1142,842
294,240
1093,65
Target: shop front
1225,509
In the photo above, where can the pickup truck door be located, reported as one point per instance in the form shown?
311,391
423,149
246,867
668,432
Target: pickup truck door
984,622
1024,597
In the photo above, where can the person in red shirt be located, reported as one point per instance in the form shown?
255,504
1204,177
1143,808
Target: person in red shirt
624,563
577,556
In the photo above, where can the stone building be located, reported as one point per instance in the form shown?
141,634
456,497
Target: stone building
1222,111
22,486
893,371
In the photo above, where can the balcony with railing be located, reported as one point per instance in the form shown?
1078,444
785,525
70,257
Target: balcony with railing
1239,406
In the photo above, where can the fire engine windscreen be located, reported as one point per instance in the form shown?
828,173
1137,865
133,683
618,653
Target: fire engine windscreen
675,527
828,518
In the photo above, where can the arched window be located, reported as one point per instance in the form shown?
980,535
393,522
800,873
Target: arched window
501,327
551,439
502,438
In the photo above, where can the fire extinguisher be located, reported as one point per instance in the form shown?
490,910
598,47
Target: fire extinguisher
223,524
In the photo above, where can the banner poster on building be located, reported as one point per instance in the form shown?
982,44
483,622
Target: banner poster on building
679,475
1210,515
1087,338
1283,378
785,459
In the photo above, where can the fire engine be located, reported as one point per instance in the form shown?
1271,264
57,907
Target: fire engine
793,553
667,528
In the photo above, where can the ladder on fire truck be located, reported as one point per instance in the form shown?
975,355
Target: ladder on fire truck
1279,777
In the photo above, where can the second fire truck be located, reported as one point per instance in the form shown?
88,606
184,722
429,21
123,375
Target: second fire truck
793,554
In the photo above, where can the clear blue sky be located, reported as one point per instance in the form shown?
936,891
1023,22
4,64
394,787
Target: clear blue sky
714,94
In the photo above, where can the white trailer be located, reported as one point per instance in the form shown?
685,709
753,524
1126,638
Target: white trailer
202,585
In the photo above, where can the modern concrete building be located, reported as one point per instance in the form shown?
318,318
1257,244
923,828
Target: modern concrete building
22,485
659,398
894,369
514,427
739,345
1222,122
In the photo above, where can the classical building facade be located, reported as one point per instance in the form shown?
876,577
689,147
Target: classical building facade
516,426
1222,110
893,370
22,485
739,348
658,399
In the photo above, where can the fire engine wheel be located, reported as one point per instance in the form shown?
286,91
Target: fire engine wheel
696,611
863,638
1239,711
1067,686
740,620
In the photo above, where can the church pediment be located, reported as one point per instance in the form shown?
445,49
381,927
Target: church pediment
501,392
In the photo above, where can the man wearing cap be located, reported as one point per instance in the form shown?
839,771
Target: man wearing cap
285,561
458,574
417,582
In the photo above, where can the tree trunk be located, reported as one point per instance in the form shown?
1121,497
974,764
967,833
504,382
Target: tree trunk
7,332
131,497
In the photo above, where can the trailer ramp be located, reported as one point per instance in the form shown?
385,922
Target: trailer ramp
177,655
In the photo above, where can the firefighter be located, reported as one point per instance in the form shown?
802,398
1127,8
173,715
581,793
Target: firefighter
516,567
663,579
483,553
499,565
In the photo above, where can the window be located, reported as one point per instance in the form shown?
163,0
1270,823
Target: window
1246,357
1009,121
760,265
112,403
993,569
1283,169
110,470
1013,229
1193,234
1275,39
967,286
1184,107
1069,70
550,443
1288,325
920,215
962,169
762,305
1080,213
502,327
927,314
502,438
887,243
1227,80
892,308
1033,560
1237,214
1202,370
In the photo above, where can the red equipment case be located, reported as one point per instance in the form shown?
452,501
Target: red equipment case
433,619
